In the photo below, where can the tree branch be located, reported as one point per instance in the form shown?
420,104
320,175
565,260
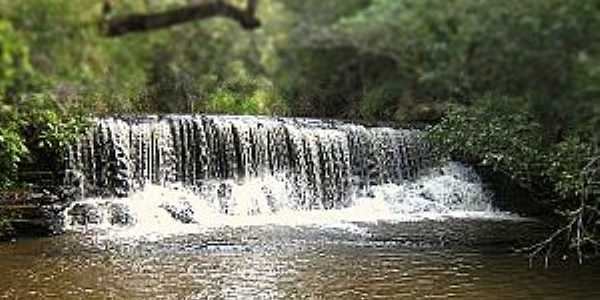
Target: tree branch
118,26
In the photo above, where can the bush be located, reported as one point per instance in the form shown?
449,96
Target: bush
494,132
49,125
35,128
500,133
12,146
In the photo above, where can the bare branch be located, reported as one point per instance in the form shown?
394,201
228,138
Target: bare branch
118,26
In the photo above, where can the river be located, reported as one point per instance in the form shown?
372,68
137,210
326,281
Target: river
220,207
444,259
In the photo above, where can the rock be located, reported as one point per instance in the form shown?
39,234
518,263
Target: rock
119,214
427,195
183,213
84,214
43,198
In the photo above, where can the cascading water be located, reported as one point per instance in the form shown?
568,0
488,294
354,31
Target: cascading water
201,171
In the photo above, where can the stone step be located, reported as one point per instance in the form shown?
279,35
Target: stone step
39,178
31,227
19,206
30,212
28,198
31,220
22,211
36,175
17,196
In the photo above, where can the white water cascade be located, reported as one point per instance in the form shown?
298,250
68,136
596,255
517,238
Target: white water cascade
180,174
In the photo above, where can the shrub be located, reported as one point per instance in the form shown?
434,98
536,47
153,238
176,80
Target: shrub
501,133
495,132
34,128
12,146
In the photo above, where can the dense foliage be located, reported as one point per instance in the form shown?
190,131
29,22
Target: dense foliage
500,133
374,60
397,58
368,59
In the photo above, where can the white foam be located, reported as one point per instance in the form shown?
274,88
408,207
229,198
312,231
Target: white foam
450,192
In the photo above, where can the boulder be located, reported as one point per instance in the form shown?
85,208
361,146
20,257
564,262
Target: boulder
84,214
119,214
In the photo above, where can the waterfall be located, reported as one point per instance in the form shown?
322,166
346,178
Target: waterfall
184,167
323,163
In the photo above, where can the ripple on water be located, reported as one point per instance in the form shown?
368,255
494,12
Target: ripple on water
290,262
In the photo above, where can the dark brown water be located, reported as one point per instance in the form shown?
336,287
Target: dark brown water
425,260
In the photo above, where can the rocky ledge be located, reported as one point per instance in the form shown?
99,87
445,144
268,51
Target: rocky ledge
30,213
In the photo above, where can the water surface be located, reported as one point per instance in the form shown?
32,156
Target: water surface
449,259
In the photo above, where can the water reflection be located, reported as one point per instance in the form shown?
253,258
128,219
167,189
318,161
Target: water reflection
289,263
